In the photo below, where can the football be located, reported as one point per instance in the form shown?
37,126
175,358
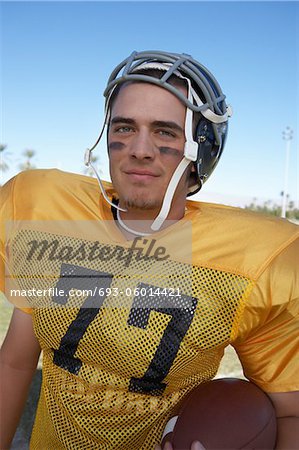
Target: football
225,413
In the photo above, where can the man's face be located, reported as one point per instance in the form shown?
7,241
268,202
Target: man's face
146,143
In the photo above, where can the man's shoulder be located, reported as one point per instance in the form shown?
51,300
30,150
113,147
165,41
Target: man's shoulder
239,239
40,182
230,218
54,176
42,192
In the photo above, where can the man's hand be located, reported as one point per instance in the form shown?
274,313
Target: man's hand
196,445
286,405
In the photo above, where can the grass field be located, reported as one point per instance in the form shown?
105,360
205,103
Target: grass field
230,367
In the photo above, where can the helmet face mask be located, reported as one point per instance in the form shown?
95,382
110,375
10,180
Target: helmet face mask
204,97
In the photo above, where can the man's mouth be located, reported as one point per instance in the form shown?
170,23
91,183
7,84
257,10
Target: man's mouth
141,174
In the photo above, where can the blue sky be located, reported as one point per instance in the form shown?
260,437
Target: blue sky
56,57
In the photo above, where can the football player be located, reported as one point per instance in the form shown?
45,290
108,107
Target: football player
131,291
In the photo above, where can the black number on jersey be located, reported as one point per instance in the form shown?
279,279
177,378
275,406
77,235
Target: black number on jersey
76,277
181,309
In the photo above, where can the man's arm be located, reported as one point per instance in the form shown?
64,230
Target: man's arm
18,360
287,412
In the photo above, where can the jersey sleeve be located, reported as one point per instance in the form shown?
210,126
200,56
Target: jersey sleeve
7,213
268,338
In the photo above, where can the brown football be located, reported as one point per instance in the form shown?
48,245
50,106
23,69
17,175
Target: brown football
222,414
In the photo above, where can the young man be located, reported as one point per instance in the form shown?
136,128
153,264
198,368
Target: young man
133,294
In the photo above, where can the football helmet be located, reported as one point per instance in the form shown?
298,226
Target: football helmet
206,98
205,103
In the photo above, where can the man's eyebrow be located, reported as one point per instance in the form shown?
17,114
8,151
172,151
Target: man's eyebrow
120,119
168,124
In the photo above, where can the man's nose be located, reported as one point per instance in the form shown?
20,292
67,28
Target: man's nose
142,145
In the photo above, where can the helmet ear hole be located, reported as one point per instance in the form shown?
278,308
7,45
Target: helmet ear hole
211,140
206,148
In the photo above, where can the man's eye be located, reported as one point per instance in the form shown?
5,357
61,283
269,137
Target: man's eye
124,129
166,133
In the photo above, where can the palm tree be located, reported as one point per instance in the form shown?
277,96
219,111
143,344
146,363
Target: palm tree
88,170
27,164
3,164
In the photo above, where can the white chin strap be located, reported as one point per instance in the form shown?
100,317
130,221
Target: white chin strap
88,163
190,154
175,179
87,155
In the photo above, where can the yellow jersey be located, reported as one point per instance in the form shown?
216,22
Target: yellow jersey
128,328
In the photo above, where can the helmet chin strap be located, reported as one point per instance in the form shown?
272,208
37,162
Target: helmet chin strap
103,189
126,228
88,163
175,179
190,154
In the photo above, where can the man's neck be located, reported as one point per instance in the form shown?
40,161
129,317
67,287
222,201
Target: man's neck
137,222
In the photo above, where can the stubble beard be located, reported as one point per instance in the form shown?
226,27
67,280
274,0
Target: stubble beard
140,202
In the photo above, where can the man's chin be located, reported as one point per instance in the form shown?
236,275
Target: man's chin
141,204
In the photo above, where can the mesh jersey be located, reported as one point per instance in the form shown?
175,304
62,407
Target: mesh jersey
115,367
